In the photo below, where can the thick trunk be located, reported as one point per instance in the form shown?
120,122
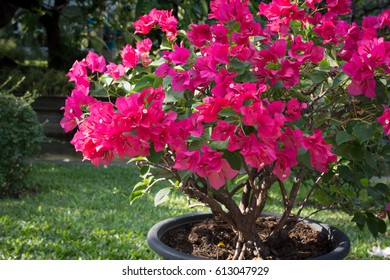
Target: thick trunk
57,57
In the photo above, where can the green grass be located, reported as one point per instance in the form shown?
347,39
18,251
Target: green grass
83,212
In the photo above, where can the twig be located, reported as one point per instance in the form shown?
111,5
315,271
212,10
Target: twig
315,185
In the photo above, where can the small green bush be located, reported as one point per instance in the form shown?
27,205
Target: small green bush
20,136
38,80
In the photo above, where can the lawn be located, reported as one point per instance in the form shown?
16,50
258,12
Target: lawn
83,212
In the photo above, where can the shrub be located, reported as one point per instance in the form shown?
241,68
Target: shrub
41,81
20,135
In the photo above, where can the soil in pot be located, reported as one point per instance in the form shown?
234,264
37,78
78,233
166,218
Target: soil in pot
215,239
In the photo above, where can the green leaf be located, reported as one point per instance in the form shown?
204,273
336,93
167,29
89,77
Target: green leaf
238,66
324,65
345,173
157,82
144,170
241,178
317,76
158,62
382,227
304,157
234,159
227,112
205,6
374,224
145,82
167,82
360,219
136,195
343,137
364,132
140,158
162,196
323,198
340,78
99,90
383,188
374,194
370,160
219,145
154,156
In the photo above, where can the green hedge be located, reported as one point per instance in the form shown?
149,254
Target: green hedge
38,80
20,137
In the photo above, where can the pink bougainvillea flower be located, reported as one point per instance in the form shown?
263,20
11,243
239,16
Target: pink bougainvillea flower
130,107
388,207
280,8
143,49
223,81
178,56
78,74
218,52
206,67
340,7
320,152
222,130
164,18
95,62
294,108
165,70
199,34
362,75
288,73
311,3
181,81
327,30
385,121
218,178
302,51
144,25
257,154
219,34
187,160
285,161
385,18
352,37
167,22
73,108
214,167
292,139
253,113
115,70
208,111
228,10
131,146
375,52
210,161
194,125
129,56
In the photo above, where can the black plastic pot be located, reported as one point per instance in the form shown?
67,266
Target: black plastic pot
341,243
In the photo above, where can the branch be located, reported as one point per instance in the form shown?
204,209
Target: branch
315,185
290,203
191,188
284,193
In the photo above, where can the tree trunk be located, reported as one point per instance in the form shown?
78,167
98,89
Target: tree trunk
57,57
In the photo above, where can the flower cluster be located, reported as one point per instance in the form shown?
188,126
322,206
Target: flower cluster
232,97
259,128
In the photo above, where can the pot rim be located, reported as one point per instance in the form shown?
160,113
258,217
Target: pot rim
340,241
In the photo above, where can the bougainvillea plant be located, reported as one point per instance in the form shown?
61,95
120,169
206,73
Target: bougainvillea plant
274,96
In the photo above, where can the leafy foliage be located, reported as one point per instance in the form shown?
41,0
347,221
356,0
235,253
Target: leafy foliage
20,136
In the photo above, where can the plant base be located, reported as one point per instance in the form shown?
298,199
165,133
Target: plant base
199,236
